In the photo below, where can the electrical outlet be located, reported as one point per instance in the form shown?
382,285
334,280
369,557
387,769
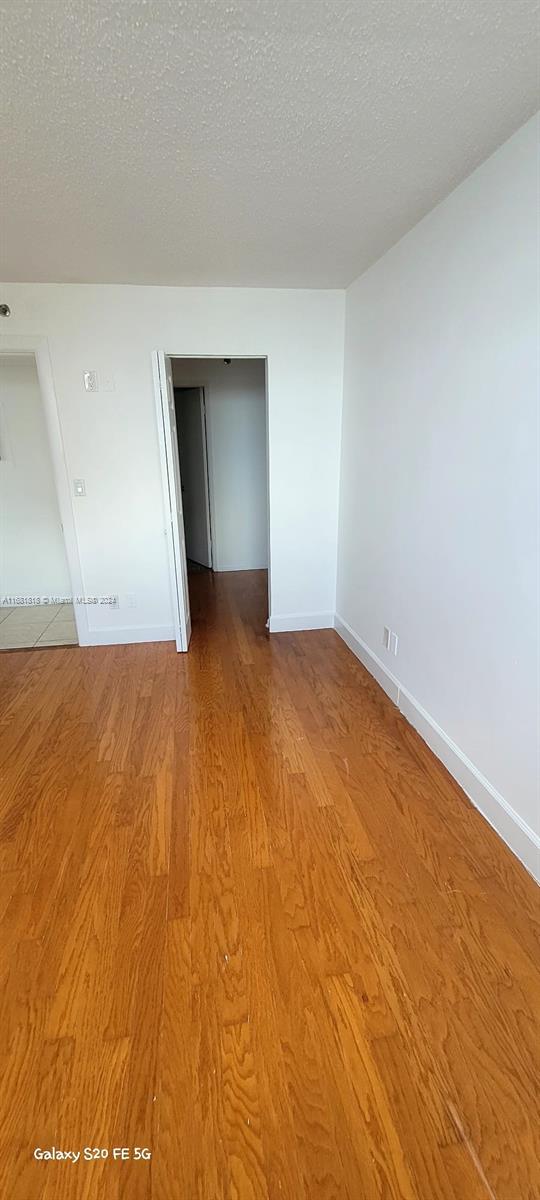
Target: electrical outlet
79,487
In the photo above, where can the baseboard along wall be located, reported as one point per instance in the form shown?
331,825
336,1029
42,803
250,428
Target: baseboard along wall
519,837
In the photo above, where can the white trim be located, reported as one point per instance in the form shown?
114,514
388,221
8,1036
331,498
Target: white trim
171,502
268,478
206,468
39,347
519,837
110,636
232,567
369,660
295,622
211,464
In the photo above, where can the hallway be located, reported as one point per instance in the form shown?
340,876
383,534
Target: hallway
252,924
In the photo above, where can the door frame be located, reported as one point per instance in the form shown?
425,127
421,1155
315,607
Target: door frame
176,585
172,498
38,347
202,389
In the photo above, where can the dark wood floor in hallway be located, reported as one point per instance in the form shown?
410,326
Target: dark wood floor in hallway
250,923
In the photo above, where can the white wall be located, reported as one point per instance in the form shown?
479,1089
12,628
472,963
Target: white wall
110,438
236,424
32,554
438,517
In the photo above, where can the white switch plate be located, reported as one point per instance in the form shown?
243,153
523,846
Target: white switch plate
390,640
90,381
79,487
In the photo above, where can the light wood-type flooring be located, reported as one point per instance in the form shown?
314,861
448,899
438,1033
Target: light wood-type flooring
250,923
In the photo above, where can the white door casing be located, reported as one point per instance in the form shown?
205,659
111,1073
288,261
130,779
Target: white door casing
172,488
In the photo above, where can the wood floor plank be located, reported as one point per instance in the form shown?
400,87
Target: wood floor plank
174,1165
251,925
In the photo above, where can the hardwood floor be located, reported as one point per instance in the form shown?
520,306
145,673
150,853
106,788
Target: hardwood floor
250,923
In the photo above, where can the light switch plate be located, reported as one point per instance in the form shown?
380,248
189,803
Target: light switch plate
90,381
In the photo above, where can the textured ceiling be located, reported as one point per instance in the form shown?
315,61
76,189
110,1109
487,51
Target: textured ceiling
245,142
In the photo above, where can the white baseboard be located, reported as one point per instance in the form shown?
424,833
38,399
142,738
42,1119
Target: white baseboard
519,837
127,635
228,567
384,677
294,622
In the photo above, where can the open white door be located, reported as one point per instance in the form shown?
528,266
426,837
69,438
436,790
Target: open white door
172,486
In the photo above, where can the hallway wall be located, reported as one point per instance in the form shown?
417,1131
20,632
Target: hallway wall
236,424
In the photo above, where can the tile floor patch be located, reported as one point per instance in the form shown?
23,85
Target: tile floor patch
31,625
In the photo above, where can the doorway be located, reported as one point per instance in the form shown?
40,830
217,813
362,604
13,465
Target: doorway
36,601
213,429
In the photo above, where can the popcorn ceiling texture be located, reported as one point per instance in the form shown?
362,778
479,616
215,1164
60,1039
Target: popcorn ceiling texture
245,142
